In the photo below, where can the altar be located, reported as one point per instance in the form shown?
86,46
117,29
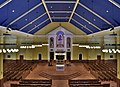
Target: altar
60,66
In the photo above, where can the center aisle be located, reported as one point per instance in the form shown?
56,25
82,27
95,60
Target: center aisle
60,83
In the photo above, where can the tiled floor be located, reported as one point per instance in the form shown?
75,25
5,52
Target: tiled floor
84,74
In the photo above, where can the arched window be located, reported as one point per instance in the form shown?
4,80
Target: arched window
51,42
68,42
60,39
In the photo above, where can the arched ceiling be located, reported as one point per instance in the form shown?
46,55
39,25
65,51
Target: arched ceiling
31,16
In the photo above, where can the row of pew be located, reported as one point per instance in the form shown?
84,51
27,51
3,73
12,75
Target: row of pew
87,83
17,70
33,83
103,71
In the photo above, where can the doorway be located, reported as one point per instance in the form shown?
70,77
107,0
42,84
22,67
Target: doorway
51,55
98,58
21,58
80,56
68,55
40,56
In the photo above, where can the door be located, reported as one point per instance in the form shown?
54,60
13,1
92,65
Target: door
80,56
40,56
21,58
68,55
98,58
51,55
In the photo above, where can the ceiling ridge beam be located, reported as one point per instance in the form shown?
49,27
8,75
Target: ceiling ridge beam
82,25
60,2
73,10
32,21
60,17
96,14
87,21
38,25
44,4
25,14
60,11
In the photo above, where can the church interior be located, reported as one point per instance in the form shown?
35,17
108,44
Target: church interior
59,43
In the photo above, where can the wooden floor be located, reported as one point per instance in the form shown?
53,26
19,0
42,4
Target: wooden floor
51,71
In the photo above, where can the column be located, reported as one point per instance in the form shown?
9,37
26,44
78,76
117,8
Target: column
1,70
1,64
118,61
102,47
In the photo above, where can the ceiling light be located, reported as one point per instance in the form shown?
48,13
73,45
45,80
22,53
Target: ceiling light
75,44
0,51
4,51
107,11
26,19
94,19
69,7
13,11
50,6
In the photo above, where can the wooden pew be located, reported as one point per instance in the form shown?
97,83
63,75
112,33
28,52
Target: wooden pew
30,85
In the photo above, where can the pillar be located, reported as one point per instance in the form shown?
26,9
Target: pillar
118,60
1,70
118,70
1,64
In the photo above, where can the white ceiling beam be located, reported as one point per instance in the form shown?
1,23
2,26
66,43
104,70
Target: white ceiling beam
60,17
5,3
38,25
87,21
60,2
82,25
32,21
25,13
114,3
96,14
60,11
75,6
46,9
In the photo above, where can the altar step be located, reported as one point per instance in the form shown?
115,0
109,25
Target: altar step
59,77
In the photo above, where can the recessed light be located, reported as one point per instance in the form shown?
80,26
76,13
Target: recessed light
94,19
50,6
107,11
13,10
69,7
26,19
